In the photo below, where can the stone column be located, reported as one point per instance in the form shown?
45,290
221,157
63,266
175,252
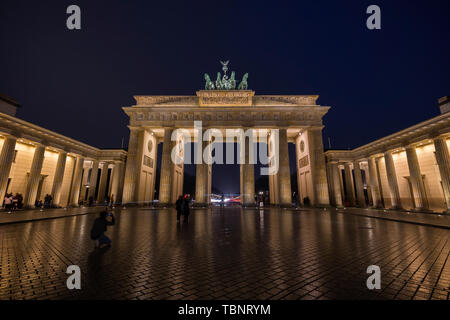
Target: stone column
165,184
201,174
349,184
443,161
392,180
374,187
420,197
59,177
117,181
336,184
84,182
248,175
6,160
284,172
34,177
103,181
93,179
133,166
76,181
366,171
273,158
359,186
318,169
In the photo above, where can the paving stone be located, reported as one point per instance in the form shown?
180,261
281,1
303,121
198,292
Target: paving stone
237,254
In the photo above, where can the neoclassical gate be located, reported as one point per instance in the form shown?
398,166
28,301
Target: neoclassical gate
154,118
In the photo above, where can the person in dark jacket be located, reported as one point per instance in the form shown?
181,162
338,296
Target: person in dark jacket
179,207
186,209
99,228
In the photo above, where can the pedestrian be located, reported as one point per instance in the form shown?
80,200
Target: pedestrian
111,201
99,228
90,201
8,203
186,209
179,207
19,201
15,201
46,201
38,203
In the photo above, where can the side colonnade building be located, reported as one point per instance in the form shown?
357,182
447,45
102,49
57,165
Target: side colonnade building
407,170
35,161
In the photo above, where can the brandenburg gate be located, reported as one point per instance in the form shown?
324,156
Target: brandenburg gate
296,118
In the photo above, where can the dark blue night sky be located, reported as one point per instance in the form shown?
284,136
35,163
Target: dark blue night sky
75,82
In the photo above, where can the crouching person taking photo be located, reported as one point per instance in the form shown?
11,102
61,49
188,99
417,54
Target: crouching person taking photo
99,228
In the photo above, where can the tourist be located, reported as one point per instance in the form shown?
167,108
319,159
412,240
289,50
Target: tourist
306,201
99,228
111,201
19,201
38,203
179,207
8,202
90,201
47,200
186,209
15,201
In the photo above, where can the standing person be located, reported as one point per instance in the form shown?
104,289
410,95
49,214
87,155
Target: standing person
111,201
186,209
99,228
8,203
179,206
19,201
46,201
15,201
91,201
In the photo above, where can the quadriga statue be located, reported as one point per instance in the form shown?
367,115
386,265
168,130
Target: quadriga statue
243,85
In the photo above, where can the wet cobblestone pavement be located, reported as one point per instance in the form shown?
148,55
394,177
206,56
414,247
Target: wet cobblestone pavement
226,254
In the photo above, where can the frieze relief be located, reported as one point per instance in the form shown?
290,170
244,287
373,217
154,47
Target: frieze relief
166,100
226,98
285,100
226,116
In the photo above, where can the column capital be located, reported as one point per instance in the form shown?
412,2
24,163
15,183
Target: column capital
137,129
374,156
440,137
10,136
411,146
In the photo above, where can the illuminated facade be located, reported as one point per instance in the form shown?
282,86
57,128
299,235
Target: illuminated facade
409,169
35,161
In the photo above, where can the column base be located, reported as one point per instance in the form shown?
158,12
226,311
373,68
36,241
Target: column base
201,205
163,205
422,210
321,206
397,208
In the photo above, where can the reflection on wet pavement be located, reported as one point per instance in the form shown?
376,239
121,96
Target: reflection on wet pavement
226,253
